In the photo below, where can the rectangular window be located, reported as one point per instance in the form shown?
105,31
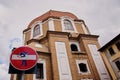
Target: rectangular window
118,45
40,71
118,64
111,51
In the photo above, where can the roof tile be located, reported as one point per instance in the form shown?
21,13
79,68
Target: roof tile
52,13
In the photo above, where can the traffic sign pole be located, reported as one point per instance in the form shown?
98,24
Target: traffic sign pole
22,75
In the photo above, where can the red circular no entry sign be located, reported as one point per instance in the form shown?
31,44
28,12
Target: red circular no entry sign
23,58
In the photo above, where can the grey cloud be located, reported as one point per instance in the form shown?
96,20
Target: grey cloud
102,18
7,3
3,27
5,37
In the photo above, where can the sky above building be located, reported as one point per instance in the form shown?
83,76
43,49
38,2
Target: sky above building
101,17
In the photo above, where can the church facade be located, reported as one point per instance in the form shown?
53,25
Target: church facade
66,49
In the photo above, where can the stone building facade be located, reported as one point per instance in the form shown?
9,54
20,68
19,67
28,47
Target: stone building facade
66,49
111,56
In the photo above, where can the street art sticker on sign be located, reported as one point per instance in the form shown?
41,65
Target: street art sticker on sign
23,58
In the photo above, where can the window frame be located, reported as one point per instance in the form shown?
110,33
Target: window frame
68,25
32,29
77,44
85,62
44,69
72,22
75,47
36,30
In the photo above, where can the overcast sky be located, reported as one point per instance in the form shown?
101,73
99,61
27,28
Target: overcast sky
101,16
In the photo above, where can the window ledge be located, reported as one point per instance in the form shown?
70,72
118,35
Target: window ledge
78,52
84,73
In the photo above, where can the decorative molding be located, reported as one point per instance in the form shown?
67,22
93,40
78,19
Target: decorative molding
38,45
84,28
51,24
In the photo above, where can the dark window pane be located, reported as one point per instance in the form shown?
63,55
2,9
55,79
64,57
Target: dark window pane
118,64
36,30
40,72
111,51
83,67
118,45
74,47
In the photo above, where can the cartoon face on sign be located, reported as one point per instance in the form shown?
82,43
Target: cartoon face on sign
23,55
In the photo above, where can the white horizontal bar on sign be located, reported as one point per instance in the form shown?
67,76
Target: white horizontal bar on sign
28,57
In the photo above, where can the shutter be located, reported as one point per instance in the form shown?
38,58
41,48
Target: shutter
63,63
99,62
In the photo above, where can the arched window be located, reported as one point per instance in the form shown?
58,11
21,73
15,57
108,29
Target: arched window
83,67
68,25
36,30
74,47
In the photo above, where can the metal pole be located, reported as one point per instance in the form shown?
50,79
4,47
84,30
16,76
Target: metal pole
22,75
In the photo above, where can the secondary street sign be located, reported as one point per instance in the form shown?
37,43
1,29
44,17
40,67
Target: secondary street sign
23,58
